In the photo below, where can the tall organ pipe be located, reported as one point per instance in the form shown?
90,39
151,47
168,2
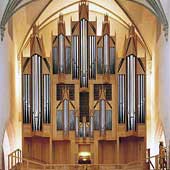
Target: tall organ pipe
75,55
61,51
26,98
36,92
83,53
46,101
141,99
66,116
131,93
106,56
102,117
121,98
92,56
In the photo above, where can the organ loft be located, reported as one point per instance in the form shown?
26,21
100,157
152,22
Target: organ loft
84,104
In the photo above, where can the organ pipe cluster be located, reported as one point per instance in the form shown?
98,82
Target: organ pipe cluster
131,85
84,44
36,85
84,54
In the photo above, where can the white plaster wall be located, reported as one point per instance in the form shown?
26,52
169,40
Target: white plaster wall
4,89
163,53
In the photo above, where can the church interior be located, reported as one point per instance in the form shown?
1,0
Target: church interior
84,85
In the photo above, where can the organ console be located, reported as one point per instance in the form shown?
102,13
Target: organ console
59,92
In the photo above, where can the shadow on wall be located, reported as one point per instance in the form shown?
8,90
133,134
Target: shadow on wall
6,150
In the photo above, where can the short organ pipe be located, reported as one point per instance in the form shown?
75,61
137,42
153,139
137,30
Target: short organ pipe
91,133
77,126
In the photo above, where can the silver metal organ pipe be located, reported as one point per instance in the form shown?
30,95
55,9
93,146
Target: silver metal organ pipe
46,101
106,57
92,54
77,126
75,54
91,126
84,129
61,50
26,98
36,92
121,94
141,98
83,54
66,116
123,97
131,94
102,117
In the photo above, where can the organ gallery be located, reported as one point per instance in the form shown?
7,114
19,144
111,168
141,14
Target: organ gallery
84,104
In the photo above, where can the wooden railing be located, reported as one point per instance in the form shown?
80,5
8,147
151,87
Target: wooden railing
14,159
16,162
30,165
153,162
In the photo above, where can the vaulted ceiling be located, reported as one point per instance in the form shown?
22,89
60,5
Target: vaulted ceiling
24,13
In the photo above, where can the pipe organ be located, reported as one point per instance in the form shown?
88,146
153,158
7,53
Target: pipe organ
84,98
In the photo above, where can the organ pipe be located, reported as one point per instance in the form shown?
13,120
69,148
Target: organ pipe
106,59
131,93
83,53
121,97
91,126
77,126
66,116
141,99
102,117
84,129
26,98
92,56
75,56
36,92
46,101
61,50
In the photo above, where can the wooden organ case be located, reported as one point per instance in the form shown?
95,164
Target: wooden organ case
83,98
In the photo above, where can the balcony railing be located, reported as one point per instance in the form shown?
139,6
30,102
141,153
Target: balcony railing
15,161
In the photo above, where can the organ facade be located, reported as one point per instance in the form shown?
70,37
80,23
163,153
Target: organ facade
84,99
